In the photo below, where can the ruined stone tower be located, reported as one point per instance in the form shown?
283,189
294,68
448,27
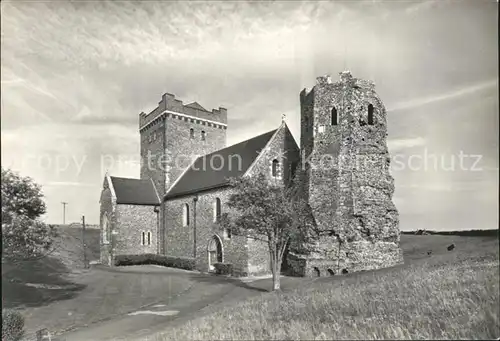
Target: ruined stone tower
346,180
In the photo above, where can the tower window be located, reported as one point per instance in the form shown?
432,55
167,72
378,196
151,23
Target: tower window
370,114
149,238
274,168
334,116
293,168
306,123
191,133
185,215
203,135
217,210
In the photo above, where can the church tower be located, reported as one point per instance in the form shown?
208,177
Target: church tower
173,134
346,180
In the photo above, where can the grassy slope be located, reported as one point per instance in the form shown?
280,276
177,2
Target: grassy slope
444,296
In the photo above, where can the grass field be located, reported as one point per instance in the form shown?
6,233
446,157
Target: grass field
447,295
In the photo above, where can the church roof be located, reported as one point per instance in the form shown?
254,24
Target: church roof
195,105
214,169
135,191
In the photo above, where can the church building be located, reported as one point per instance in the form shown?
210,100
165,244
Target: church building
174,207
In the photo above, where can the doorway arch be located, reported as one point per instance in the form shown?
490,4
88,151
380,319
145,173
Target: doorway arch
215,252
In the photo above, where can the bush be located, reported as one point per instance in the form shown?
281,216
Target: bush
12,325
148,258
223,268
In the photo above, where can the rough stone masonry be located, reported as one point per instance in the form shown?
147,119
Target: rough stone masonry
345,169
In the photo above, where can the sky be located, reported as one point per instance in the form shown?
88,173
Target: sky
76,75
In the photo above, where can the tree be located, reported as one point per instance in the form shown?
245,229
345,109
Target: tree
265,211
24,236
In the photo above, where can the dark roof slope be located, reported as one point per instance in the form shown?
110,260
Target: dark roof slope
213,170
135,191
195,105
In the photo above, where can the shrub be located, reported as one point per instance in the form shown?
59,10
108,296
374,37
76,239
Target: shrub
175,262
223,268
148,258
12,325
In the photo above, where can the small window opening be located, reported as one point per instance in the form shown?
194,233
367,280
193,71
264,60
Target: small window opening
203,135
293,170
191,133
370,114
330,272
185,215
217,210
316,272
274,169
334,117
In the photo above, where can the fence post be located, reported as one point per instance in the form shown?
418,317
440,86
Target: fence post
85,265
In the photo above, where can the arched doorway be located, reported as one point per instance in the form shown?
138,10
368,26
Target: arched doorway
214,252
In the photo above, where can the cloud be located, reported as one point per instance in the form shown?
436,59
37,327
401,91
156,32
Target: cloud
399,144
421,6
443,97
75,84
69,183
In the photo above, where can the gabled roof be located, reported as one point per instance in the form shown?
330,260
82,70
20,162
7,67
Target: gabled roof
134,191
214,169
195,105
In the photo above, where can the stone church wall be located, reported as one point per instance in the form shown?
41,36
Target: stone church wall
180,239
132,220
106,208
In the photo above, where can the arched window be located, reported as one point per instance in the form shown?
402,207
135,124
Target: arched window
203,135
274,168
105,229
191,133
217,210
370,114
185,215
334,118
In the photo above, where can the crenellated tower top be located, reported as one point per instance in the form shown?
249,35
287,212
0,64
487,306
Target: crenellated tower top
169,104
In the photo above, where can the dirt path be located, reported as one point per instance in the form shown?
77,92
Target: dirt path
208,293
102,295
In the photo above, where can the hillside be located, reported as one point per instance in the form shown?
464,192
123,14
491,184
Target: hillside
436,294
32,283
68,247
